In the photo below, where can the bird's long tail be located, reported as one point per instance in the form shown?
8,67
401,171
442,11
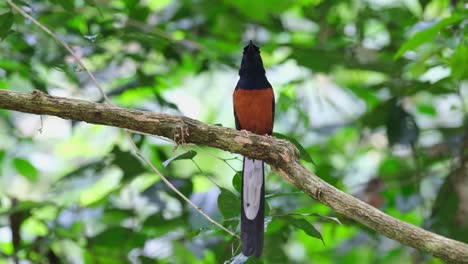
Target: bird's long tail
252,207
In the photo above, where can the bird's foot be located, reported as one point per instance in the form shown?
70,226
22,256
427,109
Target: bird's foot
245,132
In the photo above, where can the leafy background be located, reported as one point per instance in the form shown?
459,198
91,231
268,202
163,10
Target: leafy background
374,92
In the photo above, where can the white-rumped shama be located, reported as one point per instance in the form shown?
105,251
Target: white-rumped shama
254,110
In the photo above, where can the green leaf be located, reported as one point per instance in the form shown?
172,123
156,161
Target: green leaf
335,219
390,166
304,154
146,260
115,217
131,4
184,156
427,109
68,5
306,227
426,35
118,237
232,223
237,181
156,225
2,156
22,206
74,232
25,168
228,204
90,2
6,21
193,233
319,215
275,245
94,167
130,165
21,2
458,62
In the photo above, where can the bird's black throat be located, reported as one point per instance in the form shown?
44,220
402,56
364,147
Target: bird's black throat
252,72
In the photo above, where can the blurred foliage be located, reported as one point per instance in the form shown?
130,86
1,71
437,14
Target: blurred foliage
374,94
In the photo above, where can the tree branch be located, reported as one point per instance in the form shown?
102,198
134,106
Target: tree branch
280,154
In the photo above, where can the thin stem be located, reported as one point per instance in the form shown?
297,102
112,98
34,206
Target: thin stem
216,157
205,174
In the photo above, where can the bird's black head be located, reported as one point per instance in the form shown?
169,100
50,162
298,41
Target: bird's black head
251,61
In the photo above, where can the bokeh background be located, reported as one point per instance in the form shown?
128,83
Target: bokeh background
373,92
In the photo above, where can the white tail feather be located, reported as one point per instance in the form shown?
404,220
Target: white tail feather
252,182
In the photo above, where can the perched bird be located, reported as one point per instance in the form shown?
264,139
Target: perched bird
254,108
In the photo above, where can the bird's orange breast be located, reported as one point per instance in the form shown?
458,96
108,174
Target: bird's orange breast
254,109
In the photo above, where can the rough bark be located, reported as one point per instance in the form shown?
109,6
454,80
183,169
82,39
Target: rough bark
280,154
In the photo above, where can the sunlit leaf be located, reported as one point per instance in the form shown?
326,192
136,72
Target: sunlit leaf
390,166
426,35
2,156
35,226
427,109
6,248
101,189
25,168
458,62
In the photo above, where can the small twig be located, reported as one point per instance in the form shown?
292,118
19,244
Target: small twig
234,251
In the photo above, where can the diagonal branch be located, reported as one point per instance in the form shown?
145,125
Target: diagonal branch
281,154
